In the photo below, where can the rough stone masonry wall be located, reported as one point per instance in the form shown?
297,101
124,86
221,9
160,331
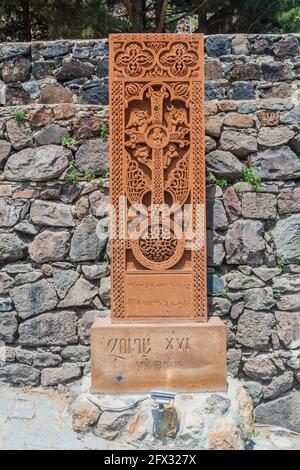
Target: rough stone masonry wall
53,233
236,67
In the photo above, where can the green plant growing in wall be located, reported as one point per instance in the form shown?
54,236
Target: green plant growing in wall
82,101
217,181
72,163
19,116
104,132
251,177
106,258
89,175
281,264
237,190
102,179
66,141
73,177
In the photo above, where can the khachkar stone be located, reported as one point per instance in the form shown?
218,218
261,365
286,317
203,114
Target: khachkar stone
157,165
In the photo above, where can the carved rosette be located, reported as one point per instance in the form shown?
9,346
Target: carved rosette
162,157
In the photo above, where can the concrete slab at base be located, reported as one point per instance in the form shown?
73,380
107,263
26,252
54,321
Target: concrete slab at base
143,357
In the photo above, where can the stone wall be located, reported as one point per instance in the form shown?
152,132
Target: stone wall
238,67
53,231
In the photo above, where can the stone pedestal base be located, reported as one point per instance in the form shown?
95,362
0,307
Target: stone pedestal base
173,357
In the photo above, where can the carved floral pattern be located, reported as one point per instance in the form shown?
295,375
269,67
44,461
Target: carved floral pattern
179,60
134,59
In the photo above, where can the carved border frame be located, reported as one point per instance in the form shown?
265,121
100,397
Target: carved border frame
117,81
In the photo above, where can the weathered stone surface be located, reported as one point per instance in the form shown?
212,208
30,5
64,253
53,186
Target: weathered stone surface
289,302
82,207
232,204
9,51
244,242
24,356
26,227
56,49
213,69
20,135
254,329
287,283
240,281
39,164
237,310
238,120
282,410
274,136
216,215
219,306
64,280
33,299
81,293
295,144
242,91
84,414
210,144
259,298
225,437
55,93
110,424
8,326
278,386
72,69
100,204
42,69
85,323
6,283
5,149
10,212
12,248
240,45
224,164
259,206
268,118
239,143
76,353
289,201
276,71
40,117
46,359
60,375
20,374
234,357
217,46
104,291
215,248
213,126
286,237
266,273
49,329
279,163
93,155
6,304
51,214
247,71
255,391
287,46
288,329
260,368
214,91
49,246
85,244
25,278
51,134
16,70
94,271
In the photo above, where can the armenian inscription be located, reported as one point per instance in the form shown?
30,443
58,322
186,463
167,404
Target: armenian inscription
143,357
157,165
